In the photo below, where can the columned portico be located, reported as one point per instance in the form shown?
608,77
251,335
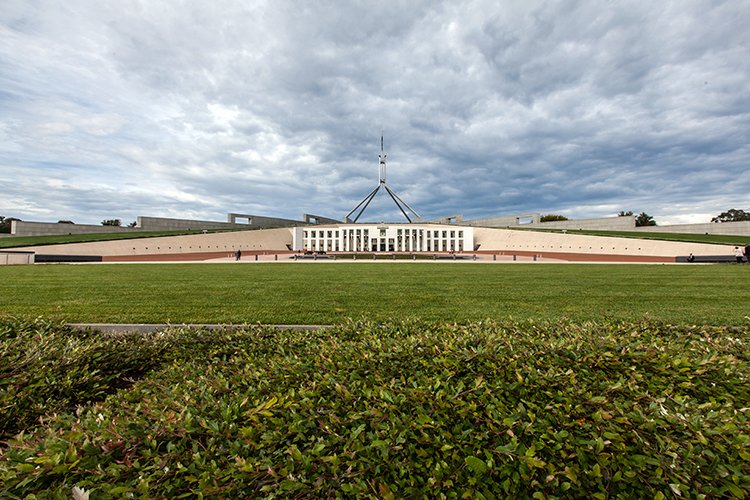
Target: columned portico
355,238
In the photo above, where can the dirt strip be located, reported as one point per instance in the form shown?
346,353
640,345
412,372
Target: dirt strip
155,327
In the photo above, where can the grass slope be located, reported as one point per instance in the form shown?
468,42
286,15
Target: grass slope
25,241
717,239
394,410
327,293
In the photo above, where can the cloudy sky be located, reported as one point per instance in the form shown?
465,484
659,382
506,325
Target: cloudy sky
195,109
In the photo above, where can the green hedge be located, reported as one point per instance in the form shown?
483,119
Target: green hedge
46,367
407,410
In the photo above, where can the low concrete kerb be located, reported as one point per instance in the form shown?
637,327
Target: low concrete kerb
155,327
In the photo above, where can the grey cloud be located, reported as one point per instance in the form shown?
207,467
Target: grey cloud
569,107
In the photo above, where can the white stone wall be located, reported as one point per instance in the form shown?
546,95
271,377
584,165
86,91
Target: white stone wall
508,240
256,240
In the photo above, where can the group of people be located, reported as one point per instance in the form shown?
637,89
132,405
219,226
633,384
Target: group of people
739,252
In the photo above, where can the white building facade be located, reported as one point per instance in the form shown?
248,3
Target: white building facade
383,238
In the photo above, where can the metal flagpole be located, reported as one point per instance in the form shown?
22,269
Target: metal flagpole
382,183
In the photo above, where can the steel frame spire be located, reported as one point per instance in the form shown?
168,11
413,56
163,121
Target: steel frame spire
401,204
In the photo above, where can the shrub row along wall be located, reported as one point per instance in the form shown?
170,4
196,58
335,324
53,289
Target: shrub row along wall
509,410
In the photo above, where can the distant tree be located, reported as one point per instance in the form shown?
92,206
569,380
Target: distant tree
732,215
132,224
625,214
6,223
644,219
552,218
112,222
65,222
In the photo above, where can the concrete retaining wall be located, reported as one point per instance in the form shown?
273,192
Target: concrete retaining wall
626,223
262,222
729,228
245,222
508,240
501,221
10,258
256,240
511,221
167,224
318,219
23,228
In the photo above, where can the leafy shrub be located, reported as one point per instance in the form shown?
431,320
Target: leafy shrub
46,367
412,409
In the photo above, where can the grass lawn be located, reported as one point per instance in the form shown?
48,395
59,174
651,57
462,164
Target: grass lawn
328,293
715,239
58,239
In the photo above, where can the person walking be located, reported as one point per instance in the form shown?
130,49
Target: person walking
238,255
738,255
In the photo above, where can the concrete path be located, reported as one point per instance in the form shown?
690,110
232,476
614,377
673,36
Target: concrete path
155,327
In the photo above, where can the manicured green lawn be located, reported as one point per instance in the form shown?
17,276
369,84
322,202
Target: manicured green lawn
327,293
57,239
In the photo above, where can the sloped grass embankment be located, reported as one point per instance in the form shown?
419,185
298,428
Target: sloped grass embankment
61,239
399,409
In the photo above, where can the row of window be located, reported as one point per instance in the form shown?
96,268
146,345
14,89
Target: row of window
385,245
400,232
